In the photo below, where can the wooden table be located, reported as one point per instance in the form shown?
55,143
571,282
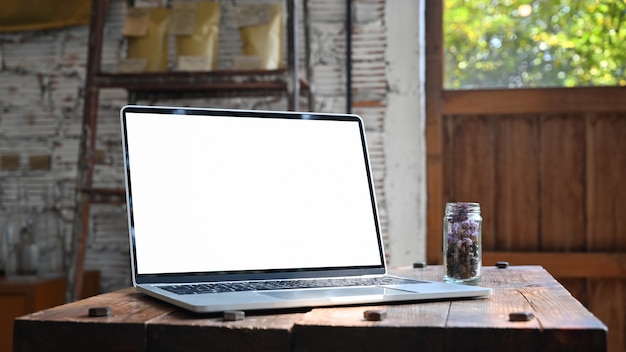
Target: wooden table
140,323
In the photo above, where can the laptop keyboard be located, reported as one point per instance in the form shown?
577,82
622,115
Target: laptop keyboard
190,289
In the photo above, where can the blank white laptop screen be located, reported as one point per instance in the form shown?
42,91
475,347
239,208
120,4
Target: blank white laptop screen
213,194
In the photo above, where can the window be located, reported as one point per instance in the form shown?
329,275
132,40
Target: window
541,43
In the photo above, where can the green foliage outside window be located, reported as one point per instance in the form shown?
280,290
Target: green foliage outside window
541,43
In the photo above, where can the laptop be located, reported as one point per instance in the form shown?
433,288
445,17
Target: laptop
257,210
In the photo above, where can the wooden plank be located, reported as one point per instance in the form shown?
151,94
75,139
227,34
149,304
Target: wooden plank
517,276
257,332
606,199
447,161
562,183
590,178
435,210
607,300
567,264
606,163
469,164
517,184
68,327
491,330
577,287
566,324
533,100
91,284
406,328
434,129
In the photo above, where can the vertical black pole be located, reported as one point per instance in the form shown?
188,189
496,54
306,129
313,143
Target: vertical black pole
292,55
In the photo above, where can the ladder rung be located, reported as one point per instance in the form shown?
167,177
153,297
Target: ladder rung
105,195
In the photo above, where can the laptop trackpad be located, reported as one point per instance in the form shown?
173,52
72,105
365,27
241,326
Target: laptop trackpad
334,294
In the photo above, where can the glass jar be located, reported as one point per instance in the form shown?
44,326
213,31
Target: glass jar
462,249
20,248
48,232
21,251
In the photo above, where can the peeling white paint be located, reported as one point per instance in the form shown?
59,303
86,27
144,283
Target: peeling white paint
405,147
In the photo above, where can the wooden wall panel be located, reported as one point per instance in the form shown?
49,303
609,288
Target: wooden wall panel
578,289
607,301
469,167
517,184
562,167
606,188
581,163
548,183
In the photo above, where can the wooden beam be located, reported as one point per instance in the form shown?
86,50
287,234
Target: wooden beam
566,264
434,130
537,100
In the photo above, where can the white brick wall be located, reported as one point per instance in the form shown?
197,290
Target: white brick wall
40,110
41,80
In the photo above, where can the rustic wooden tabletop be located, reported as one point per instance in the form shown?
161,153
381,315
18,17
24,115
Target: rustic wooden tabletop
551,320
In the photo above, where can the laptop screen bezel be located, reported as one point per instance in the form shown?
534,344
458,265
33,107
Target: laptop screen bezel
164,278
